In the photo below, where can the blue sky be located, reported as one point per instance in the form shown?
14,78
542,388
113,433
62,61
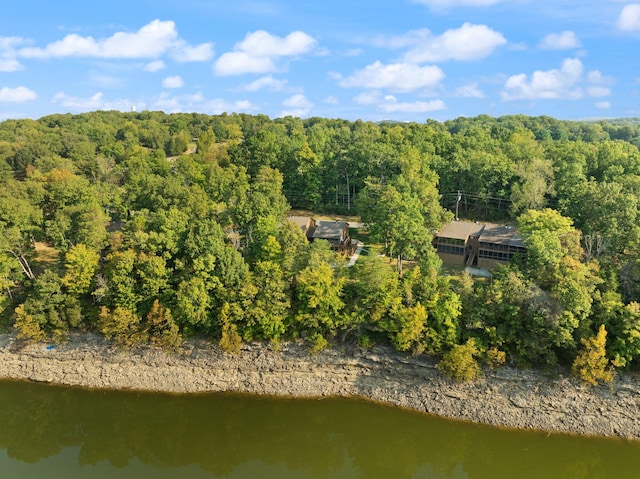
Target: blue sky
407,60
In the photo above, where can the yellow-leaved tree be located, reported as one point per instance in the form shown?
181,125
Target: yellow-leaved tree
592,365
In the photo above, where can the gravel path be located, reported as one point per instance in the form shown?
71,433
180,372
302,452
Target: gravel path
506,397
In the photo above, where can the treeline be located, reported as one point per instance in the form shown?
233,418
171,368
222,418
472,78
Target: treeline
175,225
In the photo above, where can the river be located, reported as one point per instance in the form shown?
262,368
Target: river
63,432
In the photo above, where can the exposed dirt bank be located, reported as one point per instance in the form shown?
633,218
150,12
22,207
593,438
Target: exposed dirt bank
506,397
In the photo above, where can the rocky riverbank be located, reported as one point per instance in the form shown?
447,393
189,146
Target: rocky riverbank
506,397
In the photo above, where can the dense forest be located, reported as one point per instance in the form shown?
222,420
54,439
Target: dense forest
149,227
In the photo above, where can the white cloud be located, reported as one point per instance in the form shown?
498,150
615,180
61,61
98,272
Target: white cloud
550,84
332,100
409,39
238,63
263,44
297,105
17,95
368,98
569,82
151,41
186,53
297,101
259,50
392,106
469,91
469,42
8,62
10,65
155,66
596,76
94,102
629,18
560,41
445,4
598,91
9,43
197,102
602,105
398,76
173,82
177,104
267,82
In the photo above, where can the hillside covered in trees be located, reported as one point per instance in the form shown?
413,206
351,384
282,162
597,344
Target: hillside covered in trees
167,226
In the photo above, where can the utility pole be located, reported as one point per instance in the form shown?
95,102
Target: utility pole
458,203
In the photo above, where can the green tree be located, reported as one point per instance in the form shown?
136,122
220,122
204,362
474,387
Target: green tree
230,341
374,290
123,326
193,303
163,331
29,325
81,264
403,214
548,237
265,302
406,327
47,311
460,363
294,247
9,275
120,276
319,299
443,306
20,222
622,322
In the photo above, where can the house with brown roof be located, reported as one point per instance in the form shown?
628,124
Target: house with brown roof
335,232
306,224
479,245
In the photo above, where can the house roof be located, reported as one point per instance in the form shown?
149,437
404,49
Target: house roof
302,221
329,229
501,234
487,232
460,230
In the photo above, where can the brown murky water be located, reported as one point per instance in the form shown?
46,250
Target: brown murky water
62,432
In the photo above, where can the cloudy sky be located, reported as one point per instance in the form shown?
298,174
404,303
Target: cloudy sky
405,60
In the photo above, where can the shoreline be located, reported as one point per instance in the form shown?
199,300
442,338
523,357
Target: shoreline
507,397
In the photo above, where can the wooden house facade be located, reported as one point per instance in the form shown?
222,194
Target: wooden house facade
478,245
335,232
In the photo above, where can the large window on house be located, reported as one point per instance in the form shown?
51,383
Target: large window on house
450,249
491,254
453,241
499,252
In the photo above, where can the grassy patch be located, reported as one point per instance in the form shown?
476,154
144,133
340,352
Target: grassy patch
325,216
47,257
455,272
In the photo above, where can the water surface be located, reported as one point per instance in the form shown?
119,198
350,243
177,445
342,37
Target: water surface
61,432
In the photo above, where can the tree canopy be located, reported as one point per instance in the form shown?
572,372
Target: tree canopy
175,224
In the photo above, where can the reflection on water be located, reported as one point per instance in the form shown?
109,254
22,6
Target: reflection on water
48,431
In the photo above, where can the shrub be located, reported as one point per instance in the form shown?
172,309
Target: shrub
591,365
231,341
121,325
495,358
318,343
460,364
